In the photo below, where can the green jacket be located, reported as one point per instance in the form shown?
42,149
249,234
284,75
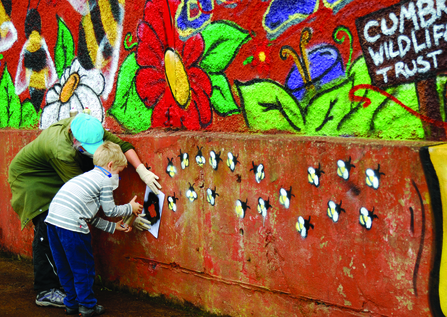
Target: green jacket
40,169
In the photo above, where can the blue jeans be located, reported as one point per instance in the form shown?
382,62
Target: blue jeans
73,255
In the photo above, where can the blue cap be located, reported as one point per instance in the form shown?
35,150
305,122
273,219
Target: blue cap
89,131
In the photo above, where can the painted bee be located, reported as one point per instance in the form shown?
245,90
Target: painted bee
8,33
344,168
200,159
171,202
184,158
241,207
35,69
373,177
211,196
263,206
366,217
334,210
259,172
303,226
285,197
214,160
99,39
314,175
191,193
171,170
232,161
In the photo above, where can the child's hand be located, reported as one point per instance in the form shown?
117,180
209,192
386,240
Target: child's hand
136,207
121,226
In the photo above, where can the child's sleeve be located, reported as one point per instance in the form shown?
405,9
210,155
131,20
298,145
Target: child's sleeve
103,224
108,204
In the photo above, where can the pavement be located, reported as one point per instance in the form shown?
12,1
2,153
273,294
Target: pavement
17,296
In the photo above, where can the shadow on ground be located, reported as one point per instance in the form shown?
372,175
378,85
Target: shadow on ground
17,297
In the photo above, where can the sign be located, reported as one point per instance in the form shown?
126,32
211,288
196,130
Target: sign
404,43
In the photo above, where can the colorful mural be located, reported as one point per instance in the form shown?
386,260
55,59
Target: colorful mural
280,65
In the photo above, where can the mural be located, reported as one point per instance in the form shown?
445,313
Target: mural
183,64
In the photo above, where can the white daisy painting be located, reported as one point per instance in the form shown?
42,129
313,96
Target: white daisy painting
78,89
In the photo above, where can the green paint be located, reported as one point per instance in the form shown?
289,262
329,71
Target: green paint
30,118
223,40
248,60
340,41
10,107
267,105
128,39
221,96
127,107
329,111
64,48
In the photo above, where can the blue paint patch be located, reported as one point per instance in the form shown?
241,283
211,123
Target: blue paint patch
325,65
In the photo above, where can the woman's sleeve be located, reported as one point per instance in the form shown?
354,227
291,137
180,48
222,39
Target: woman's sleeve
125,146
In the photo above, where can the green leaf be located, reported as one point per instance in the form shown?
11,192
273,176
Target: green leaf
266,105
223,40
29,116
221,96
127,107
64,48
10,114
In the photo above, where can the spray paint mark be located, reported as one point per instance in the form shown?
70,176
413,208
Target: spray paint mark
421,245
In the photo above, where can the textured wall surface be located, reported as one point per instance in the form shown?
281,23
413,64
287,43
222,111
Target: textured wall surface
297,207
313,67
244,263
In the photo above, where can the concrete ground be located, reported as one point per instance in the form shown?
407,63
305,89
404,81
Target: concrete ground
17,296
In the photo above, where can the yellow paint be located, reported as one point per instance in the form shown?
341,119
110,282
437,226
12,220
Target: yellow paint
70,86
38,79
438,155
261,56
177,77
90,39
33,43
3,16
108,22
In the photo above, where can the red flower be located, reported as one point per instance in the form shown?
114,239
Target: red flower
169,79
261,57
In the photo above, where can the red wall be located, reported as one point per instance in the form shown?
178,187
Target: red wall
208,256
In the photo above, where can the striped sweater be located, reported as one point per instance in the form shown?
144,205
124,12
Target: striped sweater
78,201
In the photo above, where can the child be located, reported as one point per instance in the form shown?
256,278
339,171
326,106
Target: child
73,207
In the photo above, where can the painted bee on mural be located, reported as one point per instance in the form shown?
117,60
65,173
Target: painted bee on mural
35,69
366,217
172,203
191,193
373,177
232,161
184,159
334,210
8,33
99,39
259,172
241,208
211,196
344,168
200,159
171,170
263,206
303,226
314,175
214,160
285,196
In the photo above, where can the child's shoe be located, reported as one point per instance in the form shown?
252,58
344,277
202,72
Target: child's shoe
95,311
71,311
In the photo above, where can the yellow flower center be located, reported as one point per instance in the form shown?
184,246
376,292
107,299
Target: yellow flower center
261,56
69,87
177,78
